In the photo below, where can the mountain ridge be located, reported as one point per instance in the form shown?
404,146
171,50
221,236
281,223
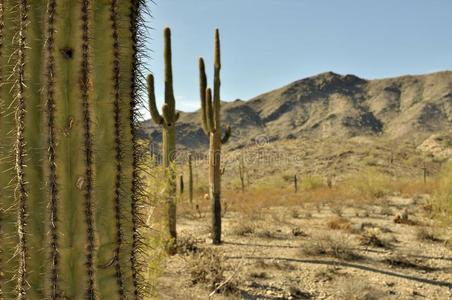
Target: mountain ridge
331,105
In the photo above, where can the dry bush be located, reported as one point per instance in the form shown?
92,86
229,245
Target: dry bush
296,293
427,234
295,212
404,262
187,244
243,229
348,289
265,234
372,238
339,223
368,185
327,274
258,275
274,264
386,211
296,231
338,246
208,267
337,210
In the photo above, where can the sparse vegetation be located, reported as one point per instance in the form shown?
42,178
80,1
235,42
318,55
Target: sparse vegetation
338,246
208,267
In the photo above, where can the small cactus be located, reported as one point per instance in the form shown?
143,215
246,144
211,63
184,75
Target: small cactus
190,179
211,120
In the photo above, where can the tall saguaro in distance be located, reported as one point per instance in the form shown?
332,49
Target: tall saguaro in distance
167,120
211,120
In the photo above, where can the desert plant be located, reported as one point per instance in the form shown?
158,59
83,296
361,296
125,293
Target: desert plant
167,120
295,183
242,170
442,198
211,120
70,201
190,179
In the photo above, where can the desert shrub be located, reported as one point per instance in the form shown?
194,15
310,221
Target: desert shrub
368,185
208,268
311,182
372,237
357,290
339,223
243,229
187,244
337,210
338,246
427,234
442,198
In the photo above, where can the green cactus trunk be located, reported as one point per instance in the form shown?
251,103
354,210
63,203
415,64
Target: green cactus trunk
167,120
211,119
69,217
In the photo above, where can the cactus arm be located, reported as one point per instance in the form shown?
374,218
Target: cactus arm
169,92
210,111
227,135
202,94
217,82
155,115
35,144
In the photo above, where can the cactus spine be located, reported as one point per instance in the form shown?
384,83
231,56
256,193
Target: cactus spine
211,120
167,120
69,211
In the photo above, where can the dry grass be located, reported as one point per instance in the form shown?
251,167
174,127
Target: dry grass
274,264
337,246
349,289
208,267
339,223
373,238
427,234
405,262
243,229
442,198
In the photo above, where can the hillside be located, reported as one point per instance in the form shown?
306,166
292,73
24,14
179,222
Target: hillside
331,105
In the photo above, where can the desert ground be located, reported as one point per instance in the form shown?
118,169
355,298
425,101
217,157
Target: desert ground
304,246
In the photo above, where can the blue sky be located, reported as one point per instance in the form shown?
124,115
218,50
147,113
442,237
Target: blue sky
270,43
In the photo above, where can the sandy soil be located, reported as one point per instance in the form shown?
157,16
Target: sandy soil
275,258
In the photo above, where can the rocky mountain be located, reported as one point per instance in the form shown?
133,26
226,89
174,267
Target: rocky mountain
331,105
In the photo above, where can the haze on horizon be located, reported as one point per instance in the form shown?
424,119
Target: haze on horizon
270,43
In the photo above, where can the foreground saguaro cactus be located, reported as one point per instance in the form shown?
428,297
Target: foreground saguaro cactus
69,157
167,120
211,120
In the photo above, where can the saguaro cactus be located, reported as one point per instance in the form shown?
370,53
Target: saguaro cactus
69,158
190,179
242,171
211,120
168,122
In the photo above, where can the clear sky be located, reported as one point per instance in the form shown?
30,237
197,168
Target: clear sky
270,43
